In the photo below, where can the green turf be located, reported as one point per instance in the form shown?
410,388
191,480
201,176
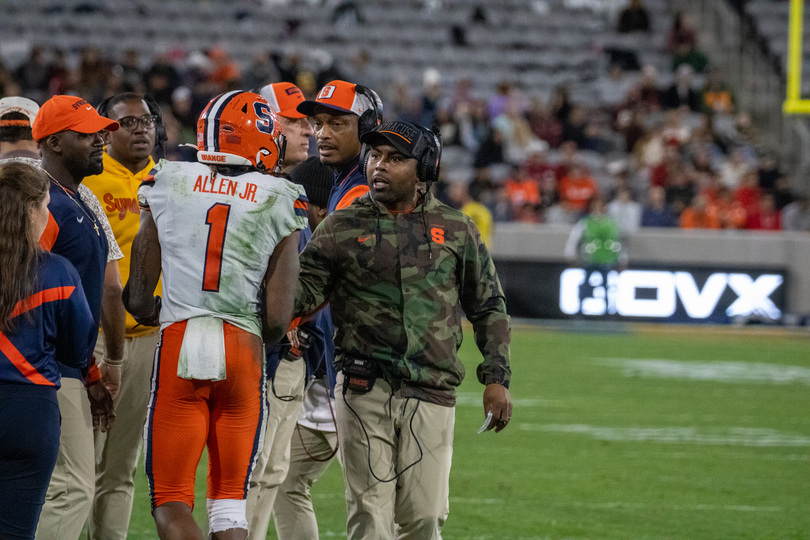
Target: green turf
596,450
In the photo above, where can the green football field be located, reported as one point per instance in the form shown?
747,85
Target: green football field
622,432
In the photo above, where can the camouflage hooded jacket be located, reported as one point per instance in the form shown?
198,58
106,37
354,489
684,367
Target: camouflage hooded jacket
396,282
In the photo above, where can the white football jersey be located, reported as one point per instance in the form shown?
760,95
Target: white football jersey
217,234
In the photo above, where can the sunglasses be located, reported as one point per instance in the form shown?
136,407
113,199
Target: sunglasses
130,123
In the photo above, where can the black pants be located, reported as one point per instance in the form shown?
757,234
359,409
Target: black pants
29,444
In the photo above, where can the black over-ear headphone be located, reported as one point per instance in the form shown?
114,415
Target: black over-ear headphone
154,110
430,163
372,117
428,152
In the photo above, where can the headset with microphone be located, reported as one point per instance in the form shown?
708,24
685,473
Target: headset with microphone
428,153
372,117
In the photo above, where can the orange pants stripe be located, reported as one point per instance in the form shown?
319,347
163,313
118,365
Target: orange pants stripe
185,416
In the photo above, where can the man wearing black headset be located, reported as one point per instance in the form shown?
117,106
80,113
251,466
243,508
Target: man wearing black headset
127,161
395,267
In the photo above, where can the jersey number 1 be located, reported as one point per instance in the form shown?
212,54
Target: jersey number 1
217,221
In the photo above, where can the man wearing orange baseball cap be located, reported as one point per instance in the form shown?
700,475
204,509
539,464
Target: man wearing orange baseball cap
70,136
283,98
340,114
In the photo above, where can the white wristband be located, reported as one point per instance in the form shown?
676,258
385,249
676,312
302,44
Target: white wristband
111,362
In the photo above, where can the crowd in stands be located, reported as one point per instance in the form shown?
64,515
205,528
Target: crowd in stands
666,149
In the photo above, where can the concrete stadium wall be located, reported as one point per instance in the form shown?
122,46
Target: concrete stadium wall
778,250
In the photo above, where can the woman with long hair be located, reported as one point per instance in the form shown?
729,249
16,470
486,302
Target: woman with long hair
44,319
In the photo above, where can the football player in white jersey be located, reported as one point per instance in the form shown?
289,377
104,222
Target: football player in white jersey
222,231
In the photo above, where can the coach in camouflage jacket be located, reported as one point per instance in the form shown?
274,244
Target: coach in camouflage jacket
395,267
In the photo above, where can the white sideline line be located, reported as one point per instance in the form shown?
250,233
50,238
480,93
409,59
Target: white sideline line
729,372
619,504
473,399
735,436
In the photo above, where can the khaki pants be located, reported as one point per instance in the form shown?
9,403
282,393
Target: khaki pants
70,491
118,450
294,515
271,467
415,505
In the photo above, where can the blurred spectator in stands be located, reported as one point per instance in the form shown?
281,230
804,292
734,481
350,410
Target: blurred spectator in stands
288,63
182,110
261,71
92,75
765,217
499,204
686,55
656,213
629,123
561,214
712,186
730,213
480,214
431,96
129,72
744,127
717,96
536,163
479,15
462,94
681,92
8,84
698,216
162,78
517,135
549,196
544,125
649,151
625,212
634,17
58,74
491,150
402,104
561,102
574,126
732,171
782,194
748,193
702,158
225,72
682,32
649,91
522,189
680,191
674,131
577,188
527,213
796,215
32,75
499,101
768,171
706,134
672,164
567,159
347,15
613,89
473,123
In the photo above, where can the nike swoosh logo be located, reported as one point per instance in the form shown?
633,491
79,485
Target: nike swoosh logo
364,238
80,219
89,108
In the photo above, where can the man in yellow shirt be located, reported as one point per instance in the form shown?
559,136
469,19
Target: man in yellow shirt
127,161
